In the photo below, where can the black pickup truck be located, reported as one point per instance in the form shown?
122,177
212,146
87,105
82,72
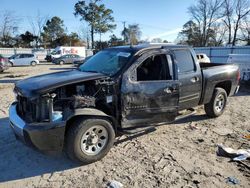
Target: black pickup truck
117,90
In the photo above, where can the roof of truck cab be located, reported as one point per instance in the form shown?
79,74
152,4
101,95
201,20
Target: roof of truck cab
141,47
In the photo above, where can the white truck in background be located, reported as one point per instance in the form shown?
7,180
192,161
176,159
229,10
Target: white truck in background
243,60
62,50
202,58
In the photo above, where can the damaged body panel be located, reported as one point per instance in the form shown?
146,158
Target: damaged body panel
127,87
48,113
145,102
33,87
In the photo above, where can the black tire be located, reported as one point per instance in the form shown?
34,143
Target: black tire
75,140
61,62
33,63
217,104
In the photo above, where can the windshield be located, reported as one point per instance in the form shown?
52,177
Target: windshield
108,62
55,52
13,56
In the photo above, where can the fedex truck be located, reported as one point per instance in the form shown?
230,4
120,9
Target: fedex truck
62,50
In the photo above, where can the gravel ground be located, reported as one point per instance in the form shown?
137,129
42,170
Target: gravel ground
181,154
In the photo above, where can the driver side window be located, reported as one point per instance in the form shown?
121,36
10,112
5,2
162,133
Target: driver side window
154,68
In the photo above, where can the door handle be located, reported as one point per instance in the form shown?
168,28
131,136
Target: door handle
170,90
194,79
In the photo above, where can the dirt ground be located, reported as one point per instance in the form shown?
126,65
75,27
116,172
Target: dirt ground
181,154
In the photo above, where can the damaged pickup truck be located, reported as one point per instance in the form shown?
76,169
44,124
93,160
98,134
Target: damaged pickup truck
119,89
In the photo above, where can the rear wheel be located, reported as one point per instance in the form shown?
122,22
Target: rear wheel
89,140
217,104
33,63
61,62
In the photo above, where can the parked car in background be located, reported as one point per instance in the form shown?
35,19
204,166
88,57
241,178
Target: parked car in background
202,58
78,63
68,58
3,63
243,61
23,60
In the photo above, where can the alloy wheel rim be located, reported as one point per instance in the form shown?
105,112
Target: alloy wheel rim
94,140
220,103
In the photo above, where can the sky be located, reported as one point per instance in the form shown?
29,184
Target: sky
156,18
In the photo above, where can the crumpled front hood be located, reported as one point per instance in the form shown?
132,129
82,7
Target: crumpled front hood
34,86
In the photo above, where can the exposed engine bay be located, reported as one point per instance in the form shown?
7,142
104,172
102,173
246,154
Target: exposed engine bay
60,103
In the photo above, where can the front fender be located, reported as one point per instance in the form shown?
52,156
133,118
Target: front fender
92,112
89,112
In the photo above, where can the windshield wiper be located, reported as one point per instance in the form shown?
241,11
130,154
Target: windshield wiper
90,71
94,72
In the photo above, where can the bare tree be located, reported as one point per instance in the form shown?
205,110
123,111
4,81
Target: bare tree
227,14
205,13
245,30
219,35
132,34
84,35
37,25
242,10
8,28
234,12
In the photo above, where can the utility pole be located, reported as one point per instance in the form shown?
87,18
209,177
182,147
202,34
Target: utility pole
124,27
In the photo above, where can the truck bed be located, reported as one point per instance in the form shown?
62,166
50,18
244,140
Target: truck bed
210,65
217,73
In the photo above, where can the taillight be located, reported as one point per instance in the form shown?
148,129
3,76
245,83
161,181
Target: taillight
238,75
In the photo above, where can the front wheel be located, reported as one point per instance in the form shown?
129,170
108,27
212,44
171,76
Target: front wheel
217,104
10,64
89,140
61,62
33,63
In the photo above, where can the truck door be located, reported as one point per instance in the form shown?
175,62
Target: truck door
189,75
150,90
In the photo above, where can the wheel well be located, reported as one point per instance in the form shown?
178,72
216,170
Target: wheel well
75,118
226,85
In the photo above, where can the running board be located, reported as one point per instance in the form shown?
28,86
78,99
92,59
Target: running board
134,130
138,130
188,113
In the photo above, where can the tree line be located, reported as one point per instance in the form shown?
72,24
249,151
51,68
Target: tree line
217,23
44,32
49,33
212,23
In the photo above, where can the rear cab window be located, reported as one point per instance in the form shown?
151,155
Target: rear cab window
185,61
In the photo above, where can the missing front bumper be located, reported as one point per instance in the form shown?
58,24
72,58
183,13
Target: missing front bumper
48,136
